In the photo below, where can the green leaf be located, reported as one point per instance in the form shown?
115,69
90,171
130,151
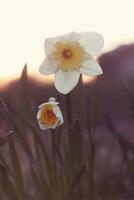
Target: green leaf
3,140
37,139
5,164
7,185
23,97
76,180
16,167
42,189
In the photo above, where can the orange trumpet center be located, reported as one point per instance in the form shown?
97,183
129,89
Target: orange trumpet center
70,56
48,117
67,53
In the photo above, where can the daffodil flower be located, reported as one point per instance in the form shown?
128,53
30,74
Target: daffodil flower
49,115
68,56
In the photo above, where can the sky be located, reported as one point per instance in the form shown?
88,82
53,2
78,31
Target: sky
25,24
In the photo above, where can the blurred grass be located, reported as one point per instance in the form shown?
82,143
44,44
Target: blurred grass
60,170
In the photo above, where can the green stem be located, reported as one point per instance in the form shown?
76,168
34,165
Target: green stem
54,165
80,101
91,167
80,117
69,110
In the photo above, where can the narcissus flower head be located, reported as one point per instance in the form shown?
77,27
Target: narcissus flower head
68,56
49,115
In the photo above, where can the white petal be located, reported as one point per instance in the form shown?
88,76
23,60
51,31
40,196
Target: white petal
92,42
66,81
38,119
52,103
91,68
42,126
70,37
39,114
56,111
58,114
52,99
49,44
48,67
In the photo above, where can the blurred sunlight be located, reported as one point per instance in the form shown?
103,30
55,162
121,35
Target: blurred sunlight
25,24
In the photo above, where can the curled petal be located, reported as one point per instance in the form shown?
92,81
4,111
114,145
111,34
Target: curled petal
66,81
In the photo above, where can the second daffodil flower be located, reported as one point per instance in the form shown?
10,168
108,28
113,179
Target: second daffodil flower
68,56
49,115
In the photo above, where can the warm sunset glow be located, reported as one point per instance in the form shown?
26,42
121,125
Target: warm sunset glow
26,24
4,81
